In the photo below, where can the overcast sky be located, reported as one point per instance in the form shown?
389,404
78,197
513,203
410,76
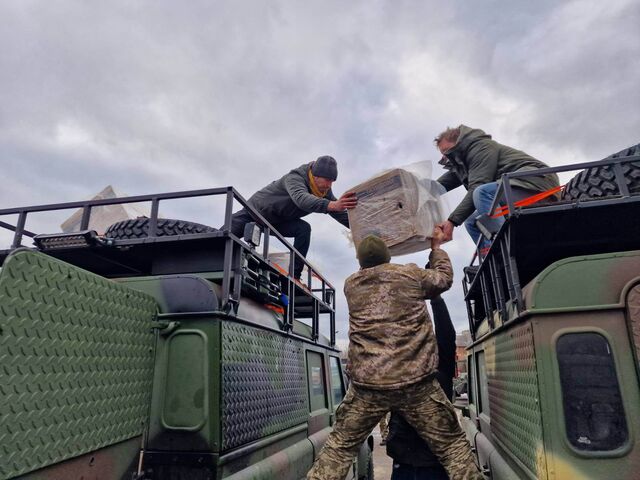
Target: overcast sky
162,96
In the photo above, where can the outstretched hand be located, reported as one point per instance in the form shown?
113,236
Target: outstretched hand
437,237
447,228
347,201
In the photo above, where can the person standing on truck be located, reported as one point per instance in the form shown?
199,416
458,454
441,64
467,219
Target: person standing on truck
393,359
477,162
304,190
412,457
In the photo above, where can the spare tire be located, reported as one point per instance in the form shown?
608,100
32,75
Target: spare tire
600,182
139,228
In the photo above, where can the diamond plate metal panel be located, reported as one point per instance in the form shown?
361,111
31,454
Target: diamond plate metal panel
263,384
76,362
514,398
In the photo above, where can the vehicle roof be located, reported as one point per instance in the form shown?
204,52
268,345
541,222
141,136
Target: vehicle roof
583,281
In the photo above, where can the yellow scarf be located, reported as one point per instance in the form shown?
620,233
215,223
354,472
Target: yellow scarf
314,188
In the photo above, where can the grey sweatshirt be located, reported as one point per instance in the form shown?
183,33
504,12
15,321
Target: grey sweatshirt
290,197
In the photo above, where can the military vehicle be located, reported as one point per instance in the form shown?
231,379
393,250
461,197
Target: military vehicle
162,349
554,312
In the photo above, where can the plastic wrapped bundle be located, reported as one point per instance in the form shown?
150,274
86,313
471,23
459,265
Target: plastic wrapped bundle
402,206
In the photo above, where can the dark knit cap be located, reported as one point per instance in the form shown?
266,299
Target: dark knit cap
372,251
325,167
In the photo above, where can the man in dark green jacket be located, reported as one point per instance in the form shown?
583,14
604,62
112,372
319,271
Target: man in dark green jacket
477,162
304,190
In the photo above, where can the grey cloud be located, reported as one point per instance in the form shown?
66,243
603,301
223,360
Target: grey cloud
157,96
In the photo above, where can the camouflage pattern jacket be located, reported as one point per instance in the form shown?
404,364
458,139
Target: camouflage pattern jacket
391,339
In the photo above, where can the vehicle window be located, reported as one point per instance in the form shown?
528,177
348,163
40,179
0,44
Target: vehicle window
337,384
316,379
483,386
593,411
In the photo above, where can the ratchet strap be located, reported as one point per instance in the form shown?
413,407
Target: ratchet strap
504,210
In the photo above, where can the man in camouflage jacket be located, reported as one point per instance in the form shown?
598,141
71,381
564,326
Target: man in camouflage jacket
393,359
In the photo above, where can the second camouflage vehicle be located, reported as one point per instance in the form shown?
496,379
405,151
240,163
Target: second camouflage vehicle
554,312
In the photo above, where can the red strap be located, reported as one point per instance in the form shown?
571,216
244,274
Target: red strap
502,211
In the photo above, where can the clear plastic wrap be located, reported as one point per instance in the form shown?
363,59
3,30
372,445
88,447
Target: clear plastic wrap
402,206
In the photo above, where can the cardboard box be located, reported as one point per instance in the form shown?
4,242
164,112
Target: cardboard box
400,208
104,216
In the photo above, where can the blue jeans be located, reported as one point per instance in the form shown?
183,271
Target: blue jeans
482,199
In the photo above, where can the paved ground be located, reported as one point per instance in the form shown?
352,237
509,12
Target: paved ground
382,464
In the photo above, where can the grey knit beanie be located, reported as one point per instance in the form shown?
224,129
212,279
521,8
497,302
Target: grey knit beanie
325,167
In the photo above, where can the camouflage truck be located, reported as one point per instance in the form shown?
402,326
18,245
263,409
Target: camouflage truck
162,349
554,312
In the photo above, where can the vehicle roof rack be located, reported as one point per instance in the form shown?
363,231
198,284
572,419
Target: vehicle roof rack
535,236
240,267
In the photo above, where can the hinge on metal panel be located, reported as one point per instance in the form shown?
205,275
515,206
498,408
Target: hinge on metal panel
165,327
231,305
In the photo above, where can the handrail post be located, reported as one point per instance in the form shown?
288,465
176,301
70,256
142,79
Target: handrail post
228,253
86,217
622,184
17,238
153,220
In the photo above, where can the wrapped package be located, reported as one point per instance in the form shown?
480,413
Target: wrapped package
402,206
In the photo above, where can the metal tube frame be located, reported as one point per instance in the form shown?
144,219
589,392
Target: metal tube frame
504,244
231,283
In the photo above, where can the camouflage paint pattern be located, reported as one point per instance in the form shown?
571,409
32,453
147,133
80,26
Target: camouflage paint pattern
258,423
593,281
426,408
526,436
391,338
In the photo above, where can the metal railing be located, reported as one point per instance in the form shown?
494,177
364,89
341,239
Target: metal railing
231,286
495,281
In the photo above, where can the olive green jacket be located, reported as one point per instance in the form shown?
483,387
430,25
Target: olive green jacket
391,338
476,159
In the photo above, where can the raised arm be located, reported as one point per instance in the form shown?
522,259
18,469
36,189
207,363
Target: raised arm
439,277
483,165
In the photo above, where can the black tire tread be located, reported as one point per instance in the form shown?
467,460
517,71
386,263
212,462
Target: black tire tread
139,228
600,182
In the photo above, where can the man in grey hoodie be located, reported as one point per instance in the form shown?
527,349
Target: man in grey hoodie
477,162
304,190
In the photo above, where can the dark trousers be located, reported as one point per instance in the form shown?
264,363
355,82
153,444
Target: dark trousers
297,229
403,471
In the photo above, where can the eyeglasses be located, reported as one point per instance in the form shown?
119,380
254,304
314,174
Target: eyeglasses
446,157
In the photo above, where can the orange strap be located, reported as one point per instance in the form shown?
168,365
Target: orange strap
275,308
502,211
